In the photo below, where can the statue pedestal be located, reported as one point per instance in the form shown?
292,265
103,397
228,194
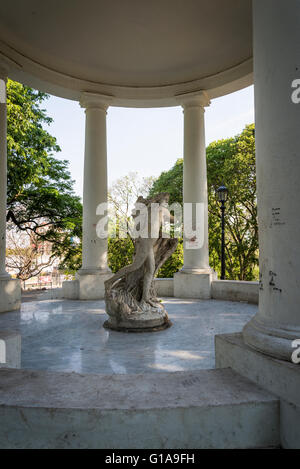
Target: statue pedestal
155,319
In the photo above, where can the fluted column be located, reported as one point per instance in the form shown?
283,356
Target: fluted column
276,65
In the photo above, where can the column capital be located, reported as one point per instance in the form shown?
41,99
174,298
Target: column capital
95,101
194,99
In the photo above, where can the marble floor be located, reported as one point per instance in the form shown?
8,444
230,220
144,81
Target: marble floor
65,335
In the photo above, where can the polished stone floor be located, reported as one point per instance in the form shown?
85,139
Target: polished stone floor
65,335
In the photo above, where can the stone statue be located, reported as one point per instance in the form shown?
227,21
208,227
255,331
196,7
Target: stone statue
130,296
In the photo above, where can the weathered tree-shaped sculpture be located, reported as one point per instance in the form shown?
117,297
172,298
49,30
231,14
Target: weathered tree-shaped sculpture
130,295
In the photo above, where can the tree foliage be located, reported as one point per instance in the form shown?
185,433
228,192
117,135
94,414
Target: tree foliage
120,253
41,198
173,263
231,162
170,181
122,195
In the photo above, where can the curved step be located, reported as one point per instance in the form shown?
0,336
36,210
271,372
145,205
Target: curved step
202,409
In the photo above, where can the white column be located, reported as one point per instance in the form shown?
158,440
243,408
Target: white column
195,178
194,280
276,66
3,173
94,249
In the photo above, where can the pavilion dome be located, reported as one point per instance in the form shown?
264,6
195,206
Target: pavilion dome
137,51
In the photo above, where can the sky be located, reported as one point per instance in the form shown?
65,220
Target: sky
148,141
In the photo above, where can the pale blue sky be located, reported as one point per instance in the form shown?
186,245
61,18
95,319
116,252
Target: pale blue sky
145,140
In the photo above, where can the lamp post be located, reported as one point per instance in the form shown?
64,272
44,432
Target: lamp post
222,195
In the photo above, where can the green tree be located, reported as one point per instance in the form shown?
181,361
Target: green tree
173,263
41,198
122,195
120,253
170,181
232,162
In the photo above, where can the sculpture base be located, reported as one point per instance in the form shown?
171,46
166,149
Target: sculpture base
140,322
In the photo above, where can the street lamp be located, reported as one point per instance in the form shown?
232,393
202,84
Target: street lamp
222,195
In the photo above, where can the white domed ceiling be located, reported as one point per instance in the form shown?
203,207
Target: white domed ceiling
127,48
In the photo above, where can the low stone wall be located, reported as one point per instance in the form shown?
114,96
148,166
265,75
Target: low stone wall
70,289
51,294
233,290
230,290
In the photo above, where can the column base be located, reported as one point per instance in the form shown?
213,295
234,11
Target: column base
91,284
10,294
275,342
276,376
71,289
193,283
